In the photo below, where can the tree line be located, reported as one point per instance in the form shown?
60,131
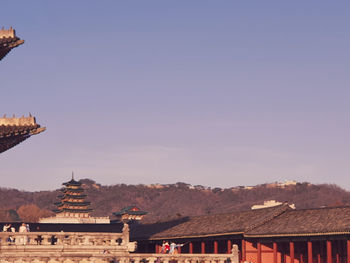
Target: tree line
167,202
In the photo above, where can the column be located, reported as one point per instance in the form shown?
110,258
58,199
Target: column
229,246
190,249
244,256
203,247
291,251
348,251
329,251
274,252
216,247
259,252
309,251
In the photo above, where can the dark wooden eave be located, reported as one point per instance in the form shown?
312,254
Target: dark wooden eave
15,130
8,41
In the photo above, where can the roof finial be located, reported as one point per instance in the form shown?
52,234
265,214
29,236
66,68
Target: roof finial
72,175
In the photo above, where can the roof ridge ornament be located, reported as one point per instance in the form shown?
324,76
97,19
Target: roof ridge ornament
15,121
7,33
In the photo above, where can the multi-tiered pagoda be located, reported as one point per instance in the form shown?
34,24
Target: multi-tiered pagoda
73,202
73,208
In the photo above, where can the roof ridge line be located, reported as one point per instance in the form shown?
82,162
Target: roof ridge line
284,208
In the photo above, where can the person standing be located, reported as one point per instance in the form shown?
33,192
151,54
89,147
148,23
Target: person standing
173,248
23,229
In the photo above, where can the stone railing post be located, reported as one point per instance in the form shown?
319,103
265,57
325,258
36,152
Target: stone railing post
125,234
235,254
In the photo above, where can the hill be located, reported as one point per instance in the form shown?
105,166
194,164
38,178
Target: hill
173,200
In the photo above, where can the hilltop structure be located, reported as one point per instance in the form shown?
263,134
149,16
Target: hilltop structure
130,214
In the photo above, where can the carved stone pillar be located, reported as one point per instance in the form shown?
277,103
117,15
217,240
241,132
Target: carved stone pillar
125,233
235,254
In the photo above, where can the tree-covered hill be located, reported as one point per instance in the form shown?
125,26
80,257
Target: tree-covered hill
173,200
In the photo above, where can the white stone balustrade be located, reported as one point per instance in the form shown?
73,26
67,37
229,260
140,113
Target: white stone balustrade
78,247
56,240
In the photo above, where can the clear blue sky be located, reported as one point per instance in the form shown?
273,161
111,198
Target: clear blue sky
217,93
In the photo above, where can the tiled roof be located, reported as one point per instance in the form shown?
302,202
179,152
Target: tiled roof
73,203
131,210
207,225
72,190
320,221
72,182
81,196
73,210
15,130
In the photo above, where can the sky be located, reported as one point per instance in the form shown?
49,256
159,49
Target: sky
213,93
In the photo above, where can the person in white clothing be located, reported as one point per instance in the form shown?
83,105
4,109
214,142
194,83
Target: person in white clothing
6,227
23,229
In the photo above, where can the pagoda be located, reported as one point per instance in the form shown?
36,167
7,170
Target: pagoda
73,202
73,208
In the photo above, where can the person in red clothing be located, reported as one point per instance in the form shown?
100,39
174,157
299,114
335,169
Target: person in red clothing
165,247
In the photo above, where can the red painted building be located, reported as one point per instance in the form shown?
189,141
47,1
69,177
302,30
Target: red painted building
270,235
